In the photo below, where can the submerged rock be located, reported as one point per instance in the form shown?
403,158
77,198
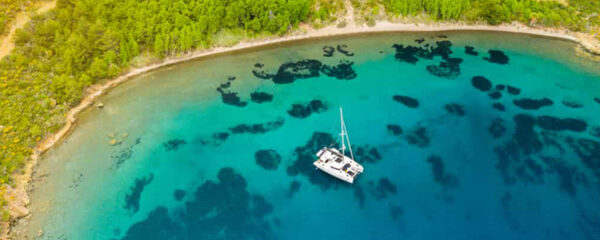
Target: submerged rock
342,48
513,90
294,187
394,129
532,104
219,209
178,194
455,109
382,188
497,128
481,83
497,56
440,175
307,68
367,154
499,106
268,159
450,68
132,199
561,124
261,97
471,51
305,110
418,137
174,144
258,128
572,104
495,95
328,51
407,101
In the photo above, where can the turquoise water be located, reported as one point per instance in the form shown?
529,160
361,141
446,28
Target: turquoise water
452,166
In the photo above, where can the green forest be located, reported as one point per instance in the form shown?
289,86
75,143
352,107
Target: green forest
81,42
8,11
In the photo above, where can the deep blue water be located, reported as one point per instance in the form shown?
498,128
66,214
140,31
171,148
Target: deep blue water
497,140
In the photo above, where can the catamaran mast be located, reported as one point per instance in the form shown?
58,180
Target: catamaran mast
345,133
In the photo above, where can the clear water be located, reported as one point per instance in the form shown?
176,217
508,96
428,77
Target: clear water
87,189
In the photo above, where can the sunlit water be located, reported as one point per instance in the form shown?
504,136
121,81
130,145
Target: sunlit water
451,167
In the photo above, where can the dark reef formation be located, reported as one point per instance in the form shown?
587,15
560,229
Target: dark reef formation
530,155
382,188
481,83
418,137
366,154
440,176
572,104
499,106
307,68
261,97
595,131
588,152
495,95
174,144
497,128
178,194
513,90
396,212
343,49
132,199
394,129
294,188
229,97
456,109
305,110
222,209
268,159
407,101
328,51
448,68
217,139
568,176
120,156
257,128
532,104
497,56
471,51
561,124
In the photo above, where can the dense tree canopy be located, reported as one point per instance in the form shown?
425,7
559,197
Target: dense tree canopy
8,11
577,15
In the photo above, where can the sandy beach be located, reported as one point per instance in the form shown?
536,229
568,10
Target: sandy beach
19,197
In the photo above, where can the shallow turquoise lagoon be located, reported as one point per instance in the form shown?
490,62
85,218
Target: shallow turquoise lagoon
499,145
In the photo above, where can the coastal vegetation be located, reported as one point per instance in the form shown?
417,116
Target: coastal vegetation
8,11
60,54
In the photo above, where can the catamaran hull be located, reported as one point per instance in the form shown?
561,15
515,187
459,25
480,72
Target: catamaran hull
327,163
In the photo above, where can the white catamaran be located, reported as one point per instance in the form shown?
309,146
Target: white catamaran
338,164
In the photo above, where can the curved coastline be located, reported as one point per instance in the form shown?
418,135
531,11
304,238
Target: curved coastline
19,196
